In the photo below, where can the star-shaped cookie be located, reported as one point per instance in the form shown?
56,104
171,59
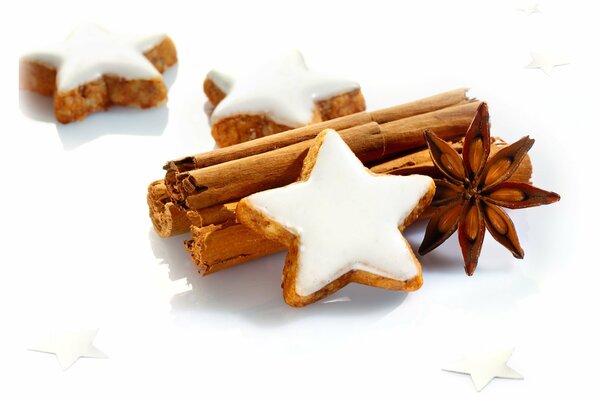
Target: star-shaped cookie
276,94
341,223
93,69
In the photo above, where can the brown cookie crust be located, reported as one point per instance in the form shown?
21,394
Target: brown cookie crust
99,95
271,229
244,127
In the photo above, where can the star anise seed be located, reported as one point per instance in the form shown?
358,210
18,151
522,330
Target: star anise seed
475,187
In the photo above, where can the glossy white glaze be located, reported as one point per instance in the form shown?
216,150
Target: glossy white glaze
282,88
346,217
90,52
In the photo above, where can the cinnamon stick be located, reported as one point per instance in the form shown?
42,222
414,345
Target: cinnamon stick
232,180
217,247
168,218
421,163
283,139
168,210
226,243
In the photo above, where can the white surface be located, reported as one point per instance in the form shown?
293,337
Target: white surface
69,345
78,247
484,367
346,218
279,85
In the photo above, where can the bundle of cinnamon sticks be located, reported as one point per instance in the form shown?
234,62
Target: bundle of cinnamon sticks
199,192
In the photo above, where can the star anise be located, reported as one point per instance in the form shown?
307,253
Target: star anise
474,189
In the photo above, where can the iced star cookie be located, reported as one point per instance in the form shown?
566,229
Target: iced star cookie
279,95
94,69
341,224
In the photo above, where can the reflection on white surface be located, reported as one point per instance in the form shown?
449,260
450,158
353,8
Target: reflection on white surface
116,120
253,291
338,300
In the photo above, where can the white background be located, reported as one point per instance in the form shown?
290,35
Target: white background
78,249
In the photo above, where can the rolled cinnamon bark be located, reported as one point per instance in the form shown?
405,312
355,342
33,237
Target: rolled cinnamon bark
217,247
169,213
283,139
167,218
226,243
232,180
170,219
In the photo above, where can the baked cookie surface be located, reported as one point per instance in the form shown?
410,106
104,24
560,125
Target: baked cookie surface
341,224
279,95
94,69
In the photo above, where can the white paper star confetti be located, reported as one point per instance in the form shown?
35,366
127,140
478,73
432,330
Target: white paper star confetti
482,368
69,346
529,8
546,61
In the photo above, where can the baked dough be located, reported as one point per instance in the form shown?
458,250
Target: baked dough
94,69
341,224
279,95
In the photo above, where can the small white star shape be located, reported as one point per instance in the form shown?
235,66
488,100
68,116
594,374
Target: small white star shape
69,346
528,9
546,61
483,368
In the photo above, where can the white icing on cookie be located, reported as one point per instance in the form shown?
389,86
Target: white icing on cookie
346,217
90,52
283,89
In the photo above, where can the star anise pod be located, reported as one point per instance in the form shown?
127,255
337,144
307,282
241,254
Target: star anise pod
474,189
